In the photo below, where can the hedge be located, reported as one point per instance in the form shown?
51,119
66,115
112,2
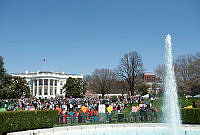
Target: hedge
26,120
190,115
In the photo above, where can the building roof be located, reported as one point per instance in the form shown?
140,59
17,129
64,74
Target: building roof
43,72
149,74
46,73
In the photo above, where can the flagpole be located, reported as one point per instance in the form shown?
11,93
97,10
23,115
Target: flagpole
45,65
44,60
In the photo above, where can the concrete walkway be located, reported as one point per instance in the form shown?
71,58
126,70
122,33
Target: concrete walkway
55,130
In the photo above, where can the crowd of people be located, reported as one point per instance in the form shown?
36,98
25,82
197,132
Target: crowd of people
67,104
73,106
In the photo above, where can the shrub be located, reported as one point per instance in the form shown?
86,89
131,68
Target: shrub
187,101
26,120
190,115
114,98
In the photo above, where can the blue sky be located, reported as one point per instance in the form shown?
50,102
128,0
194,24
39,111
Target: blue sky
78,36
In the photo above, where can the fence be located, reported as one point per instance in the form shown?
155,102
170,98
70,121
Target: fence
91,118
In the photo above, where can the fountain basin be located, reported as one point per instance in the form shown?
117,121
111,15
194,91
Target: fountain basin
111,129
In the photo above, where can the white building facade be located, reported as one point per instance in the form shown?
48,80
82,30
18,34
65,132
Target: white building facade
46,84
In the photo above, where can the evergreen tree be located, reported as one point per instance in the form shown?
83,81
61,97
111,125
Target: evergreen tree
2,69
142,89
74,87
12,87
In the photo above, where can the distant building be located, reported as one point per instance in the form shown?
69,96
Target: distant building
46,84
150,79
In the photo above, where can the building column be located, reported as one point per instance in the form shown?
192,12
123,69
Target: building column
58,86
33,87
54,88
37,93
48,88
42,88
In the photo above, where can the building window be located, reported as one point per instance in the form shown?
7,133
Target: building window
61,83
55,91
61,91
35,91
35,82
31,83
45,92
55,82
40,91
51,91
40,82
51,82
45,81
31,90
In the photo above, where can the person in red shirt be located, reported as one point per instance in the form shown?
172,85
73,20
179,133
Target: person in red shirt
96,113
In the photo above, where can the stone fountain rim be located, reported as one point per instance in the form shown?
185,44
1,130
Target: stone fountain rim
99,126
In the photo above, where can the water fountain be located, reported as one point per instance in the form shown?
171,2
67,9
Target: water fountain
171,105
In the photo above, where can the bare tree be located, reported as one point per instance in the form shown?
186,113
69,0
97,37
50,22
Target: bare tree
119,87
195,67
130,68
182,72
194,73
160,71
187,71
101,81
157,87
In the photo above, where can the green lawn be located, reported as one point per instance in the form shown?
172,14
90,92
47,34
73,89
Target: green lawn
158,103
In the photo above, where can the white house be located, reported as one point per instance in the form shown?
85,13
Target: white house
46,84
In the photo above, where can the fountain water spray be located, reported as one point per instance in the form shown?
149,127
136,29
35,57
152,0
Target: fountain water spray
171,105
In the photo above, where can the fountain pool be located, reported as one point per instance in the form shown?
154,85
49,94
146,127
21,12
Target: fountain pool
127,131
120,129
111,129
